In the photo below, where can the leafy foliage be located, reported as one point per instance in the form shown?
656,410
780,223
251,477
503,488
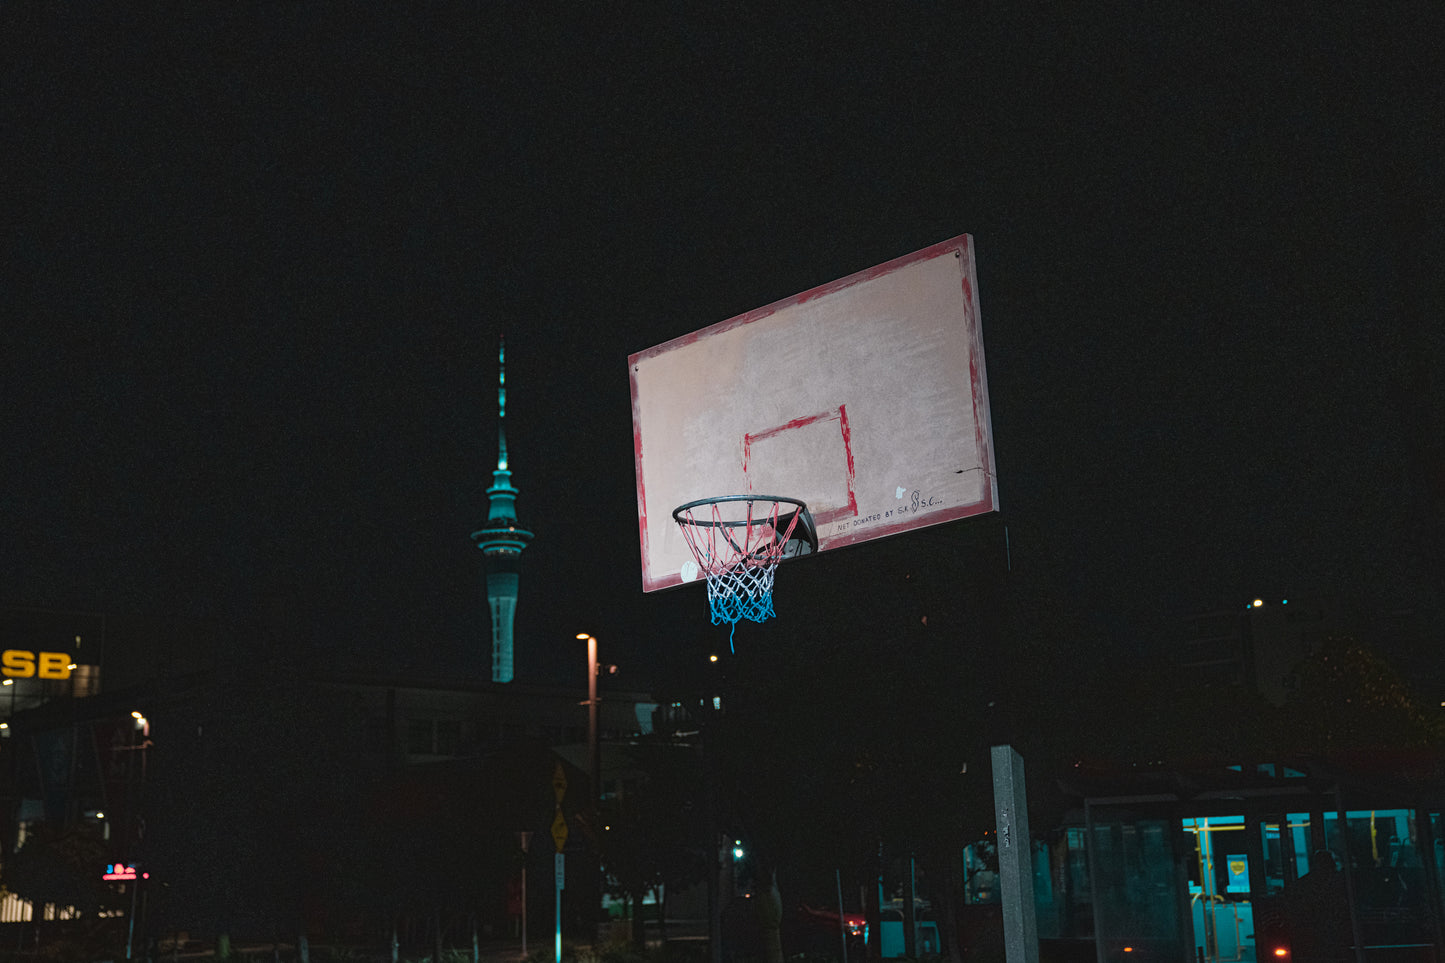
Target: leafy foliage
62,867
655,833
1350,697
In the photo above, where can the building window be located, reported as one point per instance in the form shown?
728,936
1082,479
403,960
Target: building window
433,737
419,737
448,737
375,733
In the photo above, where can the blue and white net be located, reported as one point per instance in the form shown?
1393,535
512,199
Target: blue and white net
738,555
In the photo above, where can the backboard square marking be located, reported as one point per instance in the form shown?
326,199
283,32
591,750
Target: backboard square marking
819,441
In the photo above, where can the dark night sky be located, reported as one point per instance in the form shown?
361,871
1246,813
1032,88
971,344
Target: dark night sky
256,259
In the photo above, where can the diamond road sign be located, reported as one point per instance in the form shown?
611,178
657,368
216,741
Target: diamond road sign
559,782
559,830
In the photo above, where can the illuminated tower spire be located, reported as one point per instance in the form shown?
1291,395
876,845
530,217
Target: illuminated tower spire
502,540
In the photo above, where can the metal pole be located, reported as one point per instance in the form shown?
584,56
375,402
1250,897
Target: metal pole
594,753
130,928
594,757
910,915
594,764
524,840
842,919
1349,867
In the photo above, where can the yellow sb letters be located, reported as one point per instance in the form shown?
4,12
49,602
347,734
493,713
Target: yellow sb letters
53,665
19,664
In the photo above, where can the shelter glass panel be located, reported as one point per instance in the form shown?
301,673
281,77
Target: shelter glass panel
1388,876
1138,887
1274,839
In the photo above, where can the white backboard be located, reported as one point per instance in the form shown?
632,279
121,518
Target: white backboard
865,398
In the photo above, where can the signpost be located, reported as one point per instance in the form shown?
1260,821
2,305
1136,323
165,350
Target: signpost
559,836
559,783
131,873
525,839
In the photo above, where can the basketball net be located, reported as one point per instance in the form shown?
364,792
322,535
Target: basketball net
739,559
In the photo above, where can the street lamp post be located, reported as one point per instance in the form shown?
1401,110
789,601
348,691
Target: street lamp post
594,754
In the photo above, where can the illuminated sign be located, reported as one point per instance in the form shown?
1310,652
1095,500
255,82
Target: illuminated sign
19,664
122,871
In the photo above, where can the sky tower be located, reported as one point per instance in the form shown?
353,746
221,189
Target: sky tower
501,539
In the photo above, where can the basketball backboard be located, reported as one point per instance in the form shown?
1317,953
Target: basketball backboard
866,398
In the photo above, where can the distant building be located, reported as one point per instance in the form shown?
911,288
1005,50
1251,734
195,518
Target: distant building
1259,644
420,721
502,540
216,761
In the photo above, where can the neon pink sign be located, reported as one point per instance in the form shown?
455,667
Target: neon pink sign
120,871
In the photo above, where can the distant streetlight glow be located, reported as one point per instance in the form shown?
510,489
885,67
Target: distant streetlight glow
712,658
1258,603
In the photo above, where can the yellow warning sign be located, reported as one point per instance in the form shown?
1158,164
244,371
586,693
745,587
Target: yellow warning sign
559,782
559,830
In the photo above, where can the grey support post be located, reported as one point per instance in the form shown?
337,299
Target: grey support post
1015,857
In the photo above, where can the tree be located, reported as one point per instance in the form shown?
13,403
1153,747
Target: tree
855,728
1350,698
848,732
63,868
655,834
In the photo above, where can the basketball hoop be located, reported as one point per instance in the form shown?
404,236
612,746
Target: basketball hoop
738,541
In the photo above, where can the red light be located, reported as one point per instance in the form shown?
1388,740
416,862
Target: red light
1128,949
